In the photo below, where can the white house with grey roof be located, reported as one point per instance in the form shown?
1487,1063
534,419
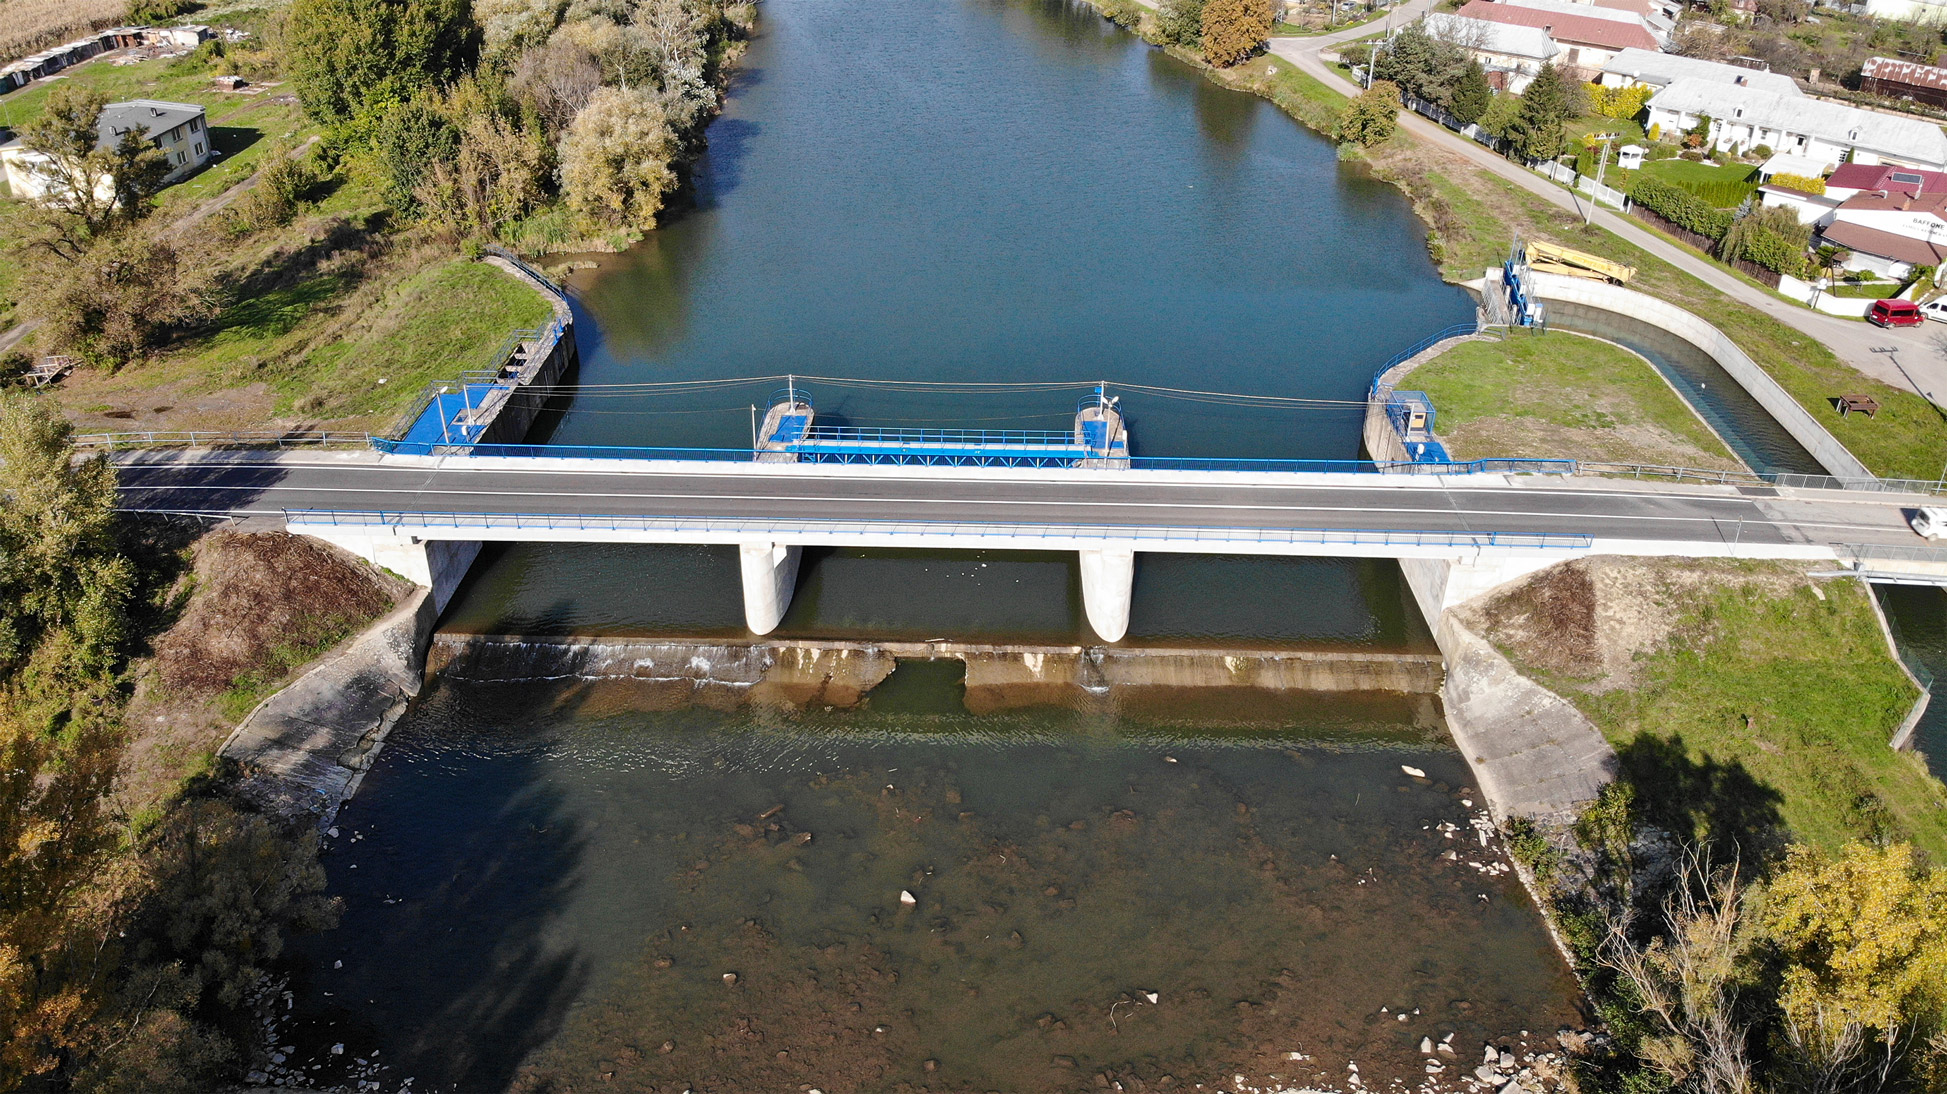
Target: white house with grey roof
180,130
1743,117
1511,55
1632,67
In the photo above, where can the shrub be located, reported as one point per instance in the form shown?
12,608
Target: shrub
1680,207
1804,184
1373,116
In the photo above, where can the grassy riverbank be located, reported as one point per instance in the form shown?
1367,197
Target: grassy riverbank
1739,696
1541,396
1472,213
337,348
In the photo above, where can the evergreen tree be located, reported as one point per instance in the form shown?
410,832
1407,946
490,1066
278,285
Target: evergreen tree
1537,131
1471,94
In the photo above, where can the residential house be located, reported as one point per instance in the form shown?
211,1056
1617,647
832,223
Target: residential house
1649,14
1589,36
1889,231
1632,67
178,129
1743,117
1511,55
1904,80
1847,181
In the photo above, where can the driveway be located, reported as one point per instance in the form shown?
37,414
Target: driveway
1916,365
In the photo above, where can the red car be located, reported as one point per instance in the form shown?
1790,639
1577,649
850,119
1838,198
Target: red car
1895,313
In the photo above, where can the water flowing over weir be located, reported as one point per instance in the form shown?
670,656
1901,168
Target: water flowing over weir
838,674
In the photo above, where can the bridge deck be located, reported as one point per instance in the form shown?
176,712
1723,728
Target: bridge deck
1103,504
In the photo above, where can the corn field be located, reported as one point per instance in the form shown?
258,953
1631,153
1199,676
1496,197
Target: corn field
29,25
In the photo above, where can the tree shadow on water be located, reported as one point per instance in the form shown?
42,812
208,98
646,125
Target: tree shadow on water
1719,805
455,960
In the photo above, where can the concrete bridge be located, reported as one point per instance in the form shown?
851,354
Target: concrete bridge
1455,534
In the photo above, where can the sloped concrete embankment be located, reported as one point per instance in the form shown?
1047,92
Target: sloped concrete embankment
303,750
801,673
1532,752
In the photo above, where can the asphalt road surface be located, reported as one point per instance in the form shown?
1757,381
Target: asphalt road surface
243,484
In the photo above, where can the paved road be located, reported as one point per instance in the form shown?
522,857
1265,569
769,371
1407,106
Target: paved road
267,484
1919,366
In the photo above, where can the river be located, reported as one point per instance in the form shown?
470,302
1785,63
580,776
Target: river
567,885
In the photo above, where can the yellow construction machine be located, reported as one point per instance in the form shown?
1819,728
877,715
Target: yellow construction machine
1550,258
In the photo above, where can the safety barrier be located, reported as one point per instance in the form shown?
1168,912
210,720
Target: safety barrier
474,522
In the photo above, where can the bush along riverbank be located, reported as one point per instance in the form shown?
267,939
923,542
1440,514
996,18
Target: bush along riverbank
145,902
1754,903
1472,213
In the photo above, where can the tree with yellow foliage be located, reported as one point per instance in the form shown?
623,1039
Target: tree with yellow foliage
1234,29
1863,935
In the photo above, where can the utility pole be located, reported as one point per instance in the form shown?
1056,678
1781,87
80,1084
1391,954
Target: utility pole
1603,141
753,427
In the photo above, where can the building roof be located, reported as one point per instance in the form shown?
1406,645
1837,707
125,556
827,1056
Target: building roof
1790,163
1835,123
1896,201
1872,241
1885,176
1579,29
1664,69
1510,41
1570,7
146,116
1904,72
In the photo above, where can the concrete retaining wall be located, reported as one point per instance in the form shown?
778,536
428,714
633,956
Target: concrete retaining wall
548,361
1776,401
1381,440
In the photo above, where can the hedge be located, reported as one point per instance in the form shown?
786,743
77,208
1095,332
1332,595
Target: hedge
1680,207
1804,184
1774,252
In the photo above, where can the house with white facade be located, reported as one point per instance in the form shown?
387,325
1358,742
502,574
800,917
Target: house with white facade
1911,11
1510,55
180,130
1634,67
1743,117
1889,232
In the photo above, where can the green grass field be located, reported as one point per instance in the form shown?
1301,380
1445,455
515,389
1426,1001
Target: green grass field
1799,692
430,326
1561,395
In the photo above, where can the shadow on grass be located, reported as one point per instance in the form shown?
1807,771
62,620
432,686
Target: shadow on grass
1719,805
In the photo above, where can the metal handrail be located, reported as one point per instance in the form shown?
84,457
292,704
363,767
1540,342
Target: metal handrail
981,530
197,438
1458,330
546,282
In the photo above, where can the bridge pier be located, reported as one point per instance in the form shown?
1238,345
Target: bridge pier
437,564
1108,580
770,573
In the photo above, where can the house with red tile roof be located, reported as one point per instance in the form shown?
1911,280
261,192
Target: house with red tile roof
1589,36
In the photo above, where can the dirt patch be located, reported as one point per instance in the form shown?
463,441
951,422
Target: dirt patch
1587,623
258,607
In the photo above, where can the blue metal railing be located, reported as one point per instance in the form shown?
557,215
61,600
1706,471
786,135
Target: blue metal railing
840,434
923,457
1458,330
467,523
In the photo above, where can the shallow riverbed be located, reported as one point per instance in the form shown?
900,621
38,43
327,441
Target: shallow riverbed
550,889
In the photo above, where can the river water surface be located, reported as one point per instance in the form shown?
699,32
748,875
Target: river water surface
559,886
